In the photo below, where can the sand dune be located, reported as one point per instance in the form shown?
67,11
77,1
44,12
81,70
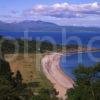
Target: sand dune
53,72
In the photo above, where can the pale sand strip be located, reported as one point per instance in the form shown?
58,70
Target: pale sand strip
53,72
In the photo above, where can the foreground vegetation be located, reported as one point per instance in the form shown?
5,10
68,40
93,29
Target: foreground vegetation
12,87
87,85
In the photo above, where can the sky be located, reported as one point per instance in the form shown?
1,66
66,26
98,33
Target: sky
61,12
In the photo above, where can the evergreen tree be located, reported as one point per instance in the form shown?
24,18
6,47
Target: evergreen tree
12,88
87,85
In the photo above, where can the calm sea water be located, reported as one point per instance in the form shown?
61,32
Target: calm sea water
68,63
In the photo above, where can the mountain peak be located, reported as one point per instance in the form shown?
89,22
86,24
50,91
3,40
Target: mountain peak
42,26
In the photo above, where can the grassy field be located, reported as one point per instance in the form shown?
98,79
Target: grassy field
30,68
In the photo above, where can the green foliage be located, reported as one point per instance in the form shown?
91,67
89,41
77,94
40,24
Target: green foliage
9,46
46,94
12,88
87,85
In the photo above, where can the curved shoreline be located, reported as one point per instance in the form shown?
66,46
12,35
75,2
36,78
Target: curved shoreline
52,70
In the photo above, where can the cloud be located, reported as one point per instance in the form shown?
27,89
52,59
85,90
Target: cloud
65,10
59,13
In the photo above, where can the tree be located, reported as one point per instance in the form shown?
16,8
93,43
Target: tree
87,85
46,94
8,89
18,79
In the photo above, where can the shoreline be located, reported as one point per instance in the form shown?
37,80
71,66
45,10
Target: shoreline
52,70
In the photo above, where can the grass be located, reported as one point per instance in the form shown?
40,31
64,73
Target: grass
30,68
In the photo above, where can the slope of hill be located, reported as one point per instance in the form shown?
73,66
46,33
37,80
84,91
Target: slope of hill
28,25
42,26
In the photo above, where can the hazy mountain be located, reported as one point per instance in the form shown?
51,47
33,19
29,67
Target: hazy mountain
29,25
40,26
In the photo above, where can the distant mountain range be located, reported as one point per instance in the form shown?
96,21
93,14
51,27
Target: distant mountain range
41,26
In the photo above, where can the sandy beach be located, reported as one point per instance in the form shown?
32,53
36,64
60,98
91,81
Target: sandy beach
52,70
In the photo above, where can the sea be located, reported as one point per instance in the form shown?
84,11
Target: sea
68,62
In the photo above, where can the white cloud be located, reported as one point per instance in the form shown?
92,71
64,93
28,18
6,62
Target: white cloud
66,10
62,14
